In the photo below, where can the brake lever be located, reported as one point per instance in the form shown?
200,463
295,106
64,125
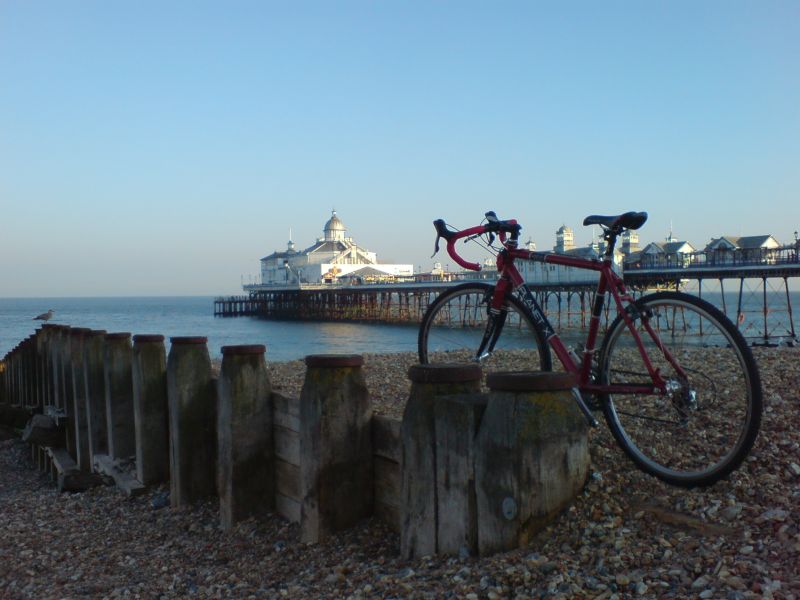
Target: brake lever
436,246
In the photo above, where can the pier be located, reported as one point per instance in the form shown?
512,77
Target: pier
754,293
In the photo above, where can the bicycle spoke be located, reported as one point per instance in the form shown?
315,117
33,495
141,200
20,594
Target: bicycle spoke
455,324
705,422
655,419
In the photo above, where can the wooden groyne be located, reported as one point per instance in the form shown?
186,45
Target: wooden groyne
146,418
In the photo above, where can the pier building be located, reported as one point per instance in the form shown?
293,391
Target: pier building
332,258
748,278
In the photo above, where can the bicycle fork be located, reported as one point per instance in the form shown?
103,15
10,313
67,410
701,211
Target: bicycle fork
494,327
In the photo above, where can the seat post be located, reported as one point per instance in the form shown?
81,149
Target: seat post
610,237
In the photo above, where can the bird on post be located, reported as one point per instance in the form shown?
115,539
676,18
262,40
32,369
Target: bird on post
44,316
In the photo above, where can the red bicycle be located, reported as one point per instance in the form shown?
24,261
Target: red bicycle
674,377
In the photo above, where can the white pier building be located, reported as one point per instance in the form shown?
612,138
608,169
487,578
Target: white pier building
333,258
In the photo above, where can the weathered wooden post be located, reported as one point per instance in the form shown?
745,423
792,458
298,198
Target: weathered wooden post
30,371
68,387
81,424
22,375
246,461
457,421
33,367
419,466
12,376
27,372
94,374
192,421
19,394
150,408
3,381
57,369
51,390
117,363
335,446
43,335
532,456
16,369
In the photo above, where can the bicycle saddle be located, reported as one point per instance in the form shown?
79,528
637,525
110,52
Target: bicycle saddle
628,220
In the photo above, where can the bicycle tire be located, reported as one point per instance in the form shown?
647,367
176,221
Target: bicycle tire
683,440
454,323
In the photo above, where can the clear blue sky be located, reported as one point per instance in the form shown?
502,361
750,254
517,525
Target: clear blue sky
152,148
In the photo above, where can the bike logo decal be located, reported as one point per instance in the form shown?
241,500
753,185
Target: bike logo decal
530,302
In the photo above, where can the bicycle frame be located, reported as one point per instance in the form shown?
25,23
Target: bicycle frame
511,281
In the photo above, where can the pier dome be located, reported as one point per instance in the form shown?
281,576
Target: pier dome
334,229
330,258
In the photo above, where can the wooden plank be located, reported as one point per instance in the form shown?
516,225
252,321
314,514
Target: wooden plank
68,477
288,508
457,419
386,437
105,465
418,475
287,444
336,447
286,411
287,479
62,461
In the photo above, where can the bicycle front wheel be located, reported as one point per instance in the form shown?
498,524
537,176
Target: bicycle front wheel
454,324
702,428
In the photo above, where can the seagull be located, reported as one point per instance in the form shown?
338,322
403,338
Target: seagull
44,316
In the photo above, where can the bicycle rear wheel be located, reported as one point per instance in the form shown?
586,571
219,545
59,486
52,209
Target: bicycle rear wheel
704,426
454,324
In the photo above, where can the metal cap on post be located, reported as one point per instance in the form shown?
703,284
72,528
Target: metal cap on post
530,381
445,373
333,361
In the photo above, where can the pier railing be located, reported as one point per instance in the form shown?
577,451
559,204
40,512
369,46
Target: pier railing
784,257
762,306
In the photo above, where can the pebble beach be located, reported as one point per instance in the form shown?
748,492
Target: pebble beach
627,535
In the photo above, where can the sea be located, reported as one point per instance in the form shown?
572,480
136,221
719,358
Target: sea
289,340
194,316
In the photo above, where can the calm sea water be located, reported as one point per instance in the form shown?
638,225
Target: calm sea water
195,316
290,340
